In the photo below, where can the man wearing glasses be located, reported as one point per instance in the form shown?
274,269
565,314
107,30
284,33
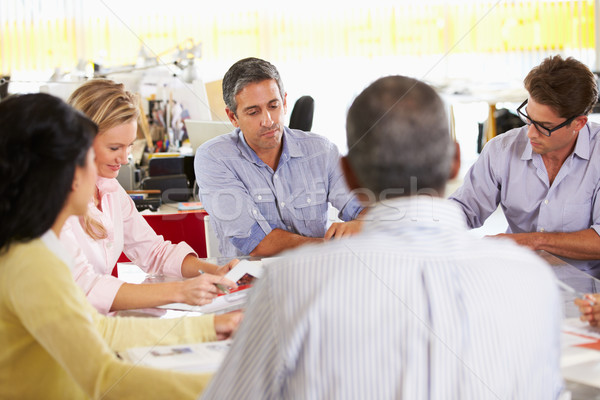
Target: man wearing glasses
545,175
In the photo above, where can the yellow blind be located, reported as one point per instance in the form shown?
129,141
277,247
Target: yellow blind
44,34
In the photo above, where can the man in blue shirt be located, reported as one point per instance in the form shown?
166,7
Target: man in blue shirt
545,175
265,186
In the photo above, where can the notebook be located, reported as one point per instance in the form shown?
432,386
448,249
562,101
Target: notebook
200,132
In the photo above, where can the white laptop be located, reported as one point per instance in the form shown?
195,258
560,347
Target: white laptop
200,132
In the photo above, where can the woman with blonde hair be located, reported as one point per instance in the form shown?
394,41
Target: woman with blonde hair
113,225
55,345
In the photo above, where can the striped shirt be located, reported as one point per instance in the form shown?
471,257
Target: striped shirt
414,307
246,199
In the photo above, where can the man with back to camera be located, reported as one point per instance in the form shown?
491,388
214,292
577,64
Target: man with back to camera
545,175
265,186
413,307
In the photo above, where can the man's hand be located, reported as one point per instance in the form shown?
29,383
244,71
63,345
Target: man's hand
589,313
343,229
226,324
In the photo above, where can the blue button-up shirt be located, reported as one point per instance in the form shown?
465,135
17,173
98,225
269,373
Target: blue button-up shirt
246,199
509,173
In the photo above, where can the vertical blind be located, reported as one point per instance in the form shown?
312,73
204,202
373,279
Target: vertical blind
440,35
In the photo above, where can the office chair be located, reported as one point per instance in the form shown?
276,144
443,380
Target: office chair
302,114
174,188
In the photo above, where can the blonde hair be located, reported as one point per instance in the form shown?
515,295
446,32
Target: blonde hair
108,104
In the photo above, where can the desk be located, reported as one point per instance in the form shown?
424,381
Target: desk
584,283
563,271
573,277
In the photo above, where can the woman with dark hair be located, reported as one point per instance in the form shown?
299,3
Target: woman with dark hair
54,342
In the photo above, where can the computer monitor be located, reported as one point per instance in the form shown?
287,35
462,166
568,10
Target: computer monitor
200,132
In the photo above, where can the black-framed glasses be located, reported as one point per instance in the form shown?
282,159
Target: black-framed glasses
540,128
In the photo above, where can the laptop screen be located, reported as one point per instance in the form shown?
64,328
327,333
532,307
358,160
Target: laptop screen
200,132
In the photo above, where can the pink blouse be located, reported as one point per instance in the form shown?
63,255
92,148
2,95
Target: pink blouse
128,232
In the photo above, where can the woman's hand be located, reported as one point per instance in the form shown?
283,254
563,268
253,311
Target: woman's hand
226,324
589,313
229,266
202,289
218,269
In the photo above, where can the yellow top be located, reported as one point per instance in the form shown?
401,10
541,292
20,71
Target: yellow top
55,345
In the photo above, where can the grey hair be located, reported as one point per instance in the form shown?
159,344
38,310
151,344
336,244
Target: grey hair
246,71
398,138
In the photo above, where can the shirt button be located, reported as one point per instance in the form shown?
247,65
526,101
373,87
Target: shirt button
546,201
275,176
542,230
282,204
289,228
308,200
259,197
254,212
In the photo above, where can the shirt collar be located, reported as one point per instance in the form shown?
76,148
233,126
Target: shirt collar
107,185
55,246
291,148
415,213
582,145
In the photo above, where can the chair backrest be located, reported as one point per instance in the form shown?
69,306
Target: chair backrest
160,166
302,114
174,188
212,242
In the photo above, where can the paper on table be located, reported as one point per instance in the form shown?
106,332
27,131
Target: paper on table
580,360
192,357
578,327
222,304
587,372
227,302
244,267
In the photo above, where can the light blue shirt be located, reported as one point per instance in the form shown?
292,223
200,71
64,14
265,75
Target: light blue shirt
509,173
414,307
246,199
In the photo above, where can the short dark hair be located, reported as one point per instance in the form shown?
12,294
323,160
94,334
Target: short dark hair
398,138
246,71
565,85
42,140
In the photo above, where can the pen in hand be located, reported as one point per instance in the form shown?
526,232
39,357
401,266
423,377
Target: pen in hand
219,286
222,288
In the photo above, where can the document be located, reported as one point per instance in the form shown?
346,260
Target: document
580,358
244,274
192,357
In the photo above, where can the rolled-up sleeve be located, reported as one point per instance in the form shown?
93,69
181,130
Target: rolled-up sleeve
479,194
339,194
149,251
99,287
233,212
596,210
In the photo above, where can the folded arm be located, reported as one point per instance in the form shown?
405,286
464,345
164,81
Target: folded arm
279,240
580,245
